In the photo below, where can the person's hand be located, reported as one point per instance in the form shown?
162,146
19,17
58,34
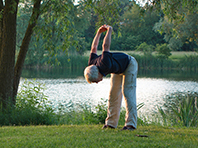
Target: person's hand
109,27
104,28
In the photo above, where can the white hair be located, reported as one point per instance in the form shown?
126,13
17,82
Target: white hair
91,73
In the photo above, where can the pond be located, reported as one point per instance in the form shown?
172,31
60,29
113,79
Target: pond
69,87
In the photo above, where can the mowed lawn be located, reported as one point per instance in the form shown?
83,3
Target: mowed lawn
95,137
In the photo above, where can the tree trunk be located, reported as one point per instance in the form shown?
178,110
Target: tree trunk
24,46
9,71
8,46
1,26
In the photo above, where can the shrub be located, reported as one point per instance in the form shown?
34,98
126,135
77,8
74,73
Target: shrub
147,49
163,51
32,107
180,108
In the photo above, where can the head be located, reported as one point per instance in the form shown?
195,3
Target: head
92,74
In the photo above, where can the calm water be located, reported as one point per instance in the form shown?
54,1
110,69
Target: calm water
150,90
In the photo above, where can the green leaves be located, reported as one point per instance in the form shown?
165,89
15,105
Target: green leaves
108,12
181,108
147,49
179,23
31,96
163,51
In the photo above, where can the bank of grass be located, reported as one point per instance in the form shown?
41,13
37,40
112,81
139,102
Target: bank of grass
177,55
93,136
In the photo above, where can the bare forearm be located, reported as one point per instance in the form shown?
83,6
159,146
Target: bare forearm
95,42
107,40
96,39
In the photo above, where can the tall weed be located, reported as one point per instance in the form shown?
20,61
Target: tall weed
32,107
180,109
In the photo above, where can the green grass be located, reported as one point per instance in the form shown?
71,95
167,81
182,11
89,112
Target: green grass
94,136
181,54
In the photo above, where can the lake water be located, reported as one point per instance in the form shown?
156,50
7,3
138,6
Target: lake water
150,90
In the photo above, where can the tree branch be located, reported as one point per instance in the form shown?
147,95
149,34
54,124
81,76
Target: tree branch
24,45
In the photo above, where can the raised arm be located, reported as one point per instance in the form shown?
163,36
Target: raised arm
107,39
96,39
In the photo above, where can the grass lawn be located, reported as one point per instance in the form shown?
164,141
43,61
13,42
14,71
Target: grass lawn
181,54
94,136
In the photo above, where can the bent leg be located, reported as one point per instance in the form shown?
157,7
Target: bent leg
115,100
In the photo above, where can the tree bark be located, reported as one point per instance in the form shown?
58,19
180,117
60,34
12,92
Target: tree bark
8,46
1,25
24,47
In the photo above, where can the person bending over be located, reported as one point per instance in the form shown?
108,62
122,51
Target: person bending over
123,69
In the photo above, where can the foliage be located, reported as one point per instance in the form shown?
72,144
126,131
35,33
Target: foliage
136,29
145,48
180,36
106,8
175,9
180,108
101,111
31,96
129,43
32,107
163,51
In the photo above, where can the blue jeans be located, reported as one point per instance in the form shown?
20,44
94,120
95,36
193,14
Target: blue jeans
123,85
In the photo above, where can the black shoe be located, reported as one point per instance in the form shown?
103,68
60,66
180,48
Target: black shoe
128,128
108,126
